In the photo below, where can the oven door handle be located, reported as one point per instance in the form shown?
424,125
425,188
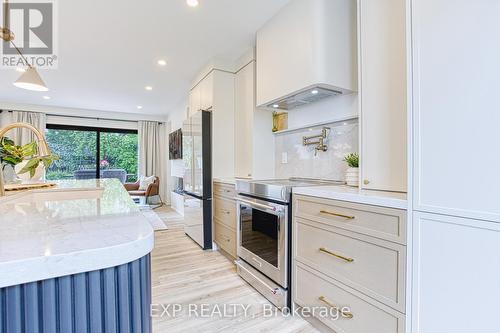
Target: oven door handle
257,205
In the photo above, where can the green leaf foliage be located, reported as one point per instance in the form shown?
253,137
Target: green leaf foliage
352,160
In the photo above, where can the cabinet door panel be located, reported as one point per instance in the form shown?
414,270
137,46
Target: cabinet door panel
383,94
244,115
455,103
456,275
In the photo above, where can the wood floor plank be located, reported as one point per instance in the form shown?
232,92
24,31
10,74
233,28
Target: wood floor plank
184,274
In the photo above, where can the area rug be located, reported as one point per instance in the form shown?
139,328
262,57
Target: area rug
156,222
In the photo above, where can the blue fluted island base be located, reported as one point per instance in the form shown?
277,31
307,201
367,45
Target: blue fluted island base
115,299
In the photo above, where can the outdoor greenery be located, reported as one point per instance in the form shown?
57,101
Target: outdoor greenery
77,151
352,160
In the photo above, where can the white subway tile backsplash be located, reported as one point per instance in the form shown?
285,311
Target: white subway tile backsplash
304,161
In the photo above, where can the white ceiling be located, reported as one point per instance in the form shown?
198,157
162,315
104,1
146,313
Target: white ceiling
108,51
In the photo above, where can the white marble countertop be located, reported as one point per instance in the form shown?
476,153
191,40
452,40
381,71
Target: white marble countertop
79,226
230,181
353,194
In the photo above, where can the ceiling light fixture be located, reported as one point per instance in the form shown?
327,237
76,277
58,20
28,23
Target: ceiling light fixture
314,92
148,88
139,107
30,79
162,62
276,106
192,3
46,97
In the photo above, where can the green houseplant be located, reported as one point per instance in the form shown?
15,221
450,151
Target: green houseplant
352,172
23,158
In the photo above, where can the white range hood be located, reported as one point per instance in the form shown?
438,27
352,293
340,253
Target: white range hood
307,52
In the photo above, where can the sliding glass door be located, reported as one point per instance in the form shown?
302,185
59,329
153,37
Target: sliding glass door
88,153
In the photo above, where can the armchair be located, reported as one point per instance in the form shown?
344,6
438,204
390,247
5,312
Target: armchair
152,190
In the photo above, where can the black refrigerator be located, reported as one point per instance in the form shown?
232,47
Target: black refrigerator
197,160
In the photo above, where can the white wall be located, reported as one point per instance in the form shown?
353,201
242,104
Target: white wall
175,119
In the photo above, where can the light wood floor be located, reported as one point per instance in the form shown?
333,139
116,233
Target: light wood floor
184,274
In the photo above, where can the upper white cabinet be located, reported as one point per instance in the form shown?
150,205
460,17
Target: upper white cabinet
308,45
456,107
206,92
383,94
195,100
254,141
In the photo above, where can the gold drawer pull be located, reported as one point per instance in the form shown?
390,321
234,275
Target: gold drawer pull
225,211
344,313
350,217
325,250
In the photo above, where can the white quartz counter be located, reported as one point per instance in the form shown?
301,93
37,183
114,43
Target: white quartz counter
79,226
229,181
353,194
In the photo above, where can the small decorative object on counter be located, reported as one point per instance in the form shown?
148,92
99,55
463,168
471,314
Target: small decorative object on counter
352,173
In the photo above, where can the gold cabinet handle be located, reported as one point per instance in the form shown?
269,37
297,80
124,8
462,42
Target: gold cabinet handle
349,217
344,313
325,250
225,211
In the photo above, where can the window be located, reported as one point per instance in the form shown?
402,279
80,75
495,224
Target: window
87,153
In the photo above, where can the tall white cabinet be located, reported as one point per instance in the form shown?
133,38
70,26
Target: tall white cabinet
382,73
215,92
456,210
254,140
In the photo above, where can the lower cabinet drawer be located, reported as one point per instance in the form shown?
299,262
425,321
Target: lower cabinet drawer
340,309
225,238
225,211
370,265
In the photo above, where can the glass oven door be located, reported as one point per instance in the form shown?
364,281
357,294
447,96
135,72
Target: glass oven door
263,237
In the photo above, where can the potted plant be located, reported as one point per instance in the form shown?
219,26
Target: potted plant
22,159
352,173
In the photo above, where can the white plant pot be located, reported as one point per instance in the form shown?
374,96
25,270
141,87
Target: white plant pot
352,177
9,175
38,176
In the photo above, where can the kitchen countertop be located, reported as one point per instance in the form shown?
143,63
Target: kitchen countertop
230,181
79,226
353,194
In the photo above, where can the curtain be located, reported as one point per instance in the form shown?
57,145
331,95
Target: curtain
24,136
152,152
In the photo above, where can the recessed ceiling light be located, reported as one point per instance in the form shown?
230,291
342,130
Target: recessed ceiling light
192,3
162,62
314,92
20,69
139,107
276,106
148,88
46,97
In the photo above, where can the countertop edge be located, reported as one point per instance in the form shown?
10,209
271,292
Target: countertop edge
47,267
374,199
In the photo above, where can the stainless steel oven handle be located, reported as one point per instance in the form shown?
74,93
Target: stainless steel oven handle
257,205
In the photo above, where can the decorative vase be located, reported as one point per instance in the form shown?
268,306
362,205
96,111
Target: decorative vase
352,177
9,175
38,176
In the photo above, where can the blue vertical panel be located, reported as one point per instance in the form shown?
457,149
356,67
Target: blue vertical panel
31,308
65,304
49,302
3,315
112,300
124,298
80,299
135,293
146,294
110,304
95,308
13,300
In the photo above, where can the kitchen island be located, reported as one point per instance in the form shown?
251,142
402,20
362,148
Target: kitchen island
74,258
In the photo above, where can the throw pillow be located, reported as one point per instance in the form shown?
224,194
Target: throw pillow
144,182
